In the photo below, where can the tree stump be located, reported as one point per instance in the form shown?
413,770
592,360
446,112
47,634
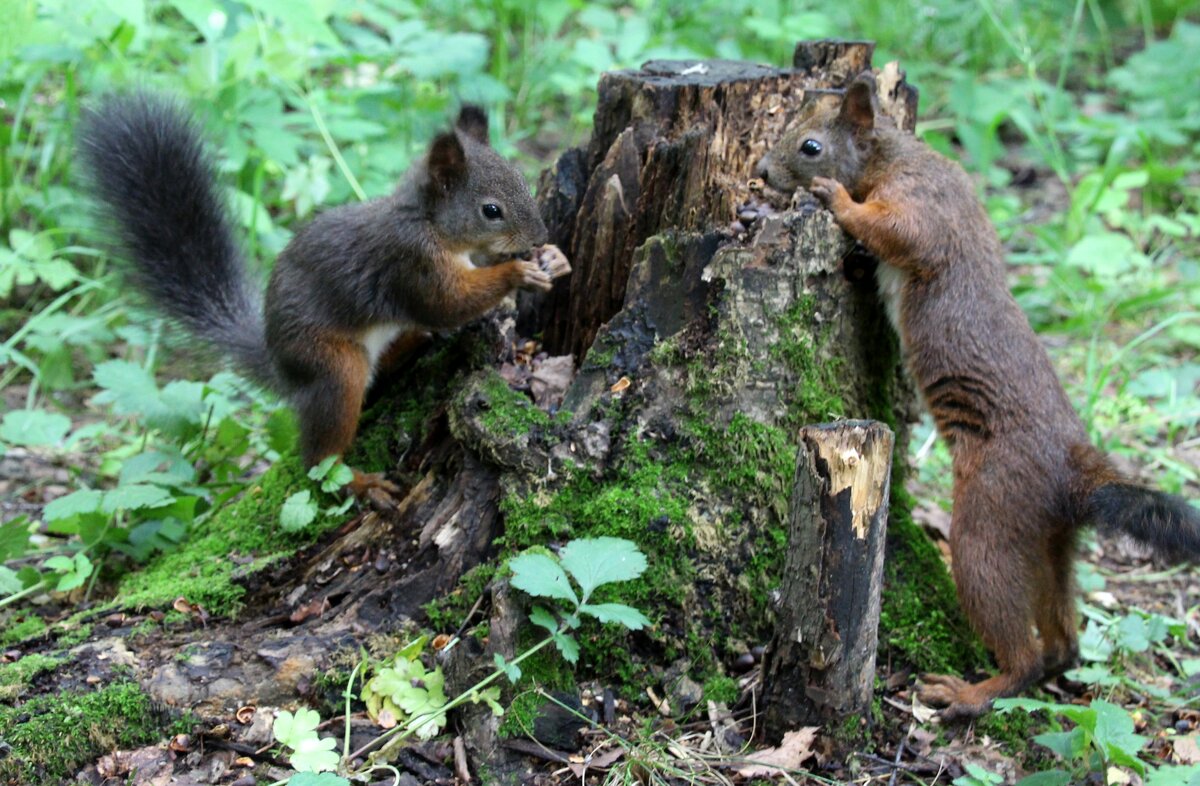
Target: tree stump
821,664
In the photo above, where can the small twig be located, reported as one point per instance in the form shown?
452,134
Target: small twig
538,750
460,761
891,765
896,763
467,620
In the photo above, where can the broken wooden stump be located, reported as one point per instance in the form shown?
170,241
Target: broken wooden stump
820,666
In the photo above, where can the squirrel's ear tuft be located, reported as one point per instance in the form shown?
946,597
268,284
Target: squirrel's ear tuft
447,162
473,122
860,105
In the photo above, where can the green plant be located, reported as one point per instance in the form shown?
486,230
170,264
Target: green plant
1102,736
408,699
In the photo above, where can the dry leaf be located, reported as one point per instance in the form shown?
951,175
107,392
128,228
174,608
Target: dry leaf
1187,751
791,753
550,380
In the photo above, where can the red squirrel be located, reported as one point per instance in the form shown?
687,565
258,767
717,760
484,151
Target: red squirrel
1026,477
349,291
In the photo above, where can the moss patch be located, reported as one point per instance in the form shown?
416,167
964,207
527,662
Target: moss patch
23,628
53,736
818,396
15,677
509,413
722,689
446,613
202,569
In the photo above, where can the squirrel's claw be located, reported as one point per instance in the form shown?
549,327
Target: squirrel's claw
374,489
533,277
553,261
828,190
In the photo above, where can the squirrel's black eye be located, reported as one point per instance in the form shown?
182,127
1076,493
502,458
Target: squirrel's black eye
810,147
492,212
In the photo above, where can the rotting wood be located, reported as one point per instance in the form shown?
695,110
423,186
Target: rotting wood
820,666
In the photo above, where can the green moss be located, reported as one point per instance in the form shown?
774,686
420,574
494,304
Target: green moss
27,627
818,395
447,613
203,569
53,736
1014,731
15,677
920,619
509,413
74,635
642,499
721,689
520,714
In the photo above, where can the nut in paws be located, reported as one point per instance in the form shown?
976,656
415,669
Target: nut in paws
533,277
552,261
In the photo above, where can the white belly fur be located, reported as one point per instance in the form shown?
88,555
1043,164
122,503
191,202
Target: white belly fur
376,340
890,282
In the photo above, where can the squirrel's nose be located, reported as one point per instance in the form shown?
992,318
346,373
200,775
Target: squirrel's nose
760,169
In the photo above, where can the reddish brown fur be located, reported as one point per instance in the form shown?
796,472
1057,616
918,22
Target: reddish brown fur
1022,464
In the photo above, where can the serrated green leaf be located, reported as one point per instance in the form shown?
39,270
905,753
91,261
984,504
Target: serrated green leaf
569,648
597,561
491,697
290,729
137,496
10,583
414,648
282,431
298,511
319,470
59,563
511,670
1067,745
73,504
539,616
616,612
34,427
14,537
315,754
541,577
127,386
1115,736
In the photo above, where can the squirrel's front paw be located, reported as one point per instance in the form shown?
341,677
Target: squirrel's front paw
552,261
533,277
829,191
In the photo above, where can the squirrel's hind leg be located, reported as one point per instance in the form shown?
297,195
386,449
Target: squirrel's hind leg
330,378
996,575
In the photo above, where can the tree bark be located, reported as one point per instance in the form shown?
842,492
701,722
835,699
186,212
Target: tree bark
821,663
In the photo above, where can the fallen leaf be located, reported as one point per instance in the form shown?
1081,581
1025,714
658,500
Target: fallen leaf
1187,751
550,380
795,747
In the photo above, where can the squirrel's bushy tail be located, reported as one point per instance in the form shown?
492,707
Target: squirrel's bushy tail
1165,522
155,179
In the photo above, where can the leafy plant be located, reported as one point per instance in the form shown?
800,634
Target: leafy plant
1102,736
592,563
